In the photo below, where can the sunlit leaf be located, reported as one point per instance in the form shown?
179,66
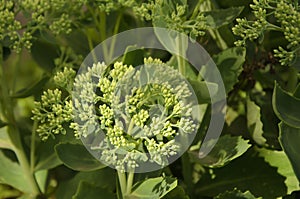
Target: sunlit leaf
153,188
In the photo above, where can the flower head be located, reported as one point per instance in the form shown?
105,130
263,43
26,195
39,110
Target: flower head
139,113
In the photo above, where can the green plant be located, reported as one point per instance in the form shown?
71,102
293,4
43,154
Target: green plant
72,128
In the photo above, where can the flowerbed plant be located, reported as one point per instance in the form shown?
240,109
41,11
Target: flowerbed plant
134,126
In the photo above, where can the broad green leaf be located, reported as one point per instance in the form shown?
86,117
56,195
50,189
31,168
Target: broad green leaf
104,178
44,53
220,17
201,90
153,188
177,193
88,191
7,192
76,157
289,139
41,179
46,157
12,174
30,90
190,72
226,149
248,172
280,160
133,56
2,124
255,126
5,142
286,107
230,64
235,194
77,40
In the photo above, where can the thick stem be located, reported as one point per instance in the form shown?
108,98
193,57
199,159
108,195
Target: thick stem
122,181
130,178
14,133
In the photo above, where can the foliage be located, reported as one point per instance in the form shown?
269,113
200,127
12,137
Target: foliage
150,105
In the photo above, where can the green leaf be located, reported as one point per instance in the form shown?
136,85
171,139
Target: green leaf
286,107
12,174
248,172
226,149
8,192
41,179
235,194
177,193
254,123
44,53
2,124
104,178
153,188
30,90
201,90
133,56
220,17
5,142
280,160
289,139
230,64
88,191
76,157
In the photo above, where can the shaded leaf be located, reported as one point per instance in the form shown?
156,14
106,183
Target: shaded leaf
289,139
235,194
44,53
247,172
254,123
133,56
104,178
153,188
88,191
2,124
177,193
226,149
286,107
230,64
220,17
76,157
30,90
201,90
280,160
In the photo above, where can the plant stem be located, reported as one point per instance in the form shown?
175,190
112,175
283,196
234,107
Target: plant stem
122,181
102,30
14,133
32,147
116,30
130,178
181,51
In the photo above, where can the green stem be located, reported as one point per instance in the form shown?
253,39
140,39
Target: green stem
122,181
32,147
180,60
14,131
102,30
116,30
129,182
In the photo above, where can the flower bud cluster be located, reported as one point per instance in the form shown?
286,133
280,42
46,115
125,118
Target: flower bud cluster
51,113
139,112
287,15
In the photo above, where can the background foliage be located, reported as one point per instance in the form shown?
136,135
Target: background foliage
255,46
